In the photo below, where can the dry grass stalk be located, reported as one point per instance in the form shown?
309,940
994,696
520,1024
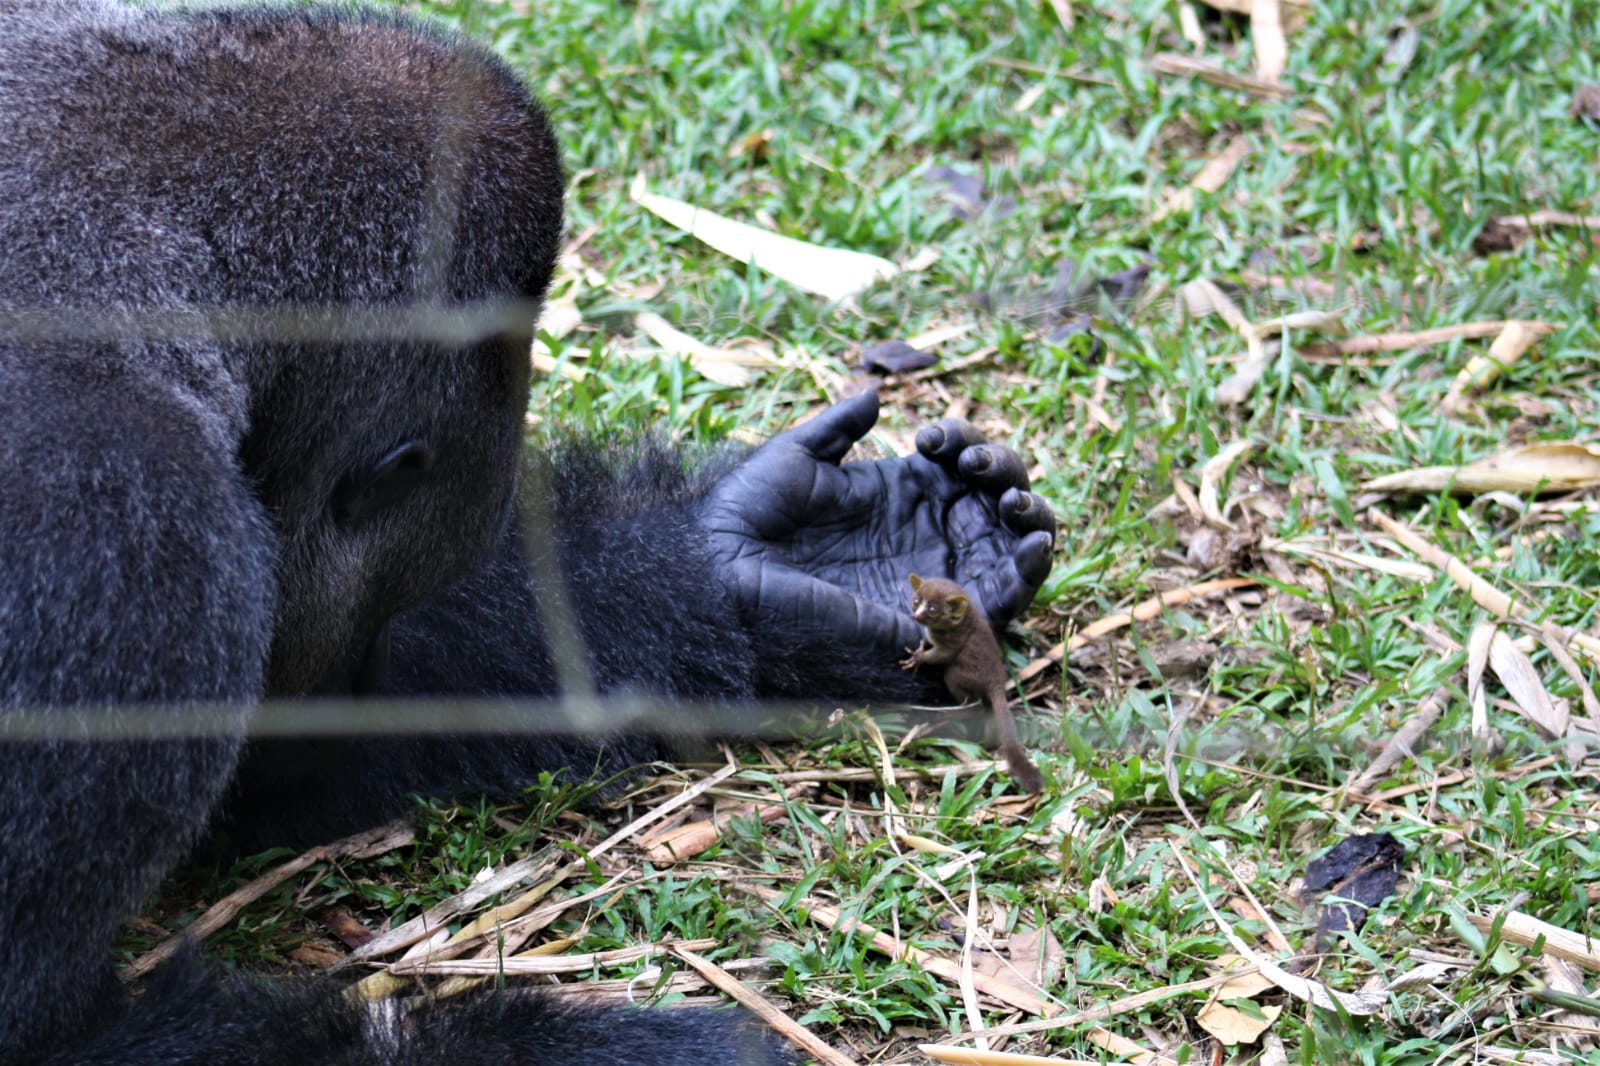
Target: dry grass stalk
834,273
1403,744
1244,7
366,844
1310,287
1525,931
758,1005
1542,219
668,846
1399,341
1143,612
1125,1005
1266,32
971,1056
1183,66
862,774
540,961
1121,1045
1509,346
833,918
536,867
1301,988
1483,594
539,867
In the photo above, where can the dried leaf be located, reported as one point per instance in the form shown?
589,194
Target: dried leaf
1427,974
1233,1026
1246,984
1577,1031
1211,177
1338,557
1202,297
1478,645
831,272
1331,321
1547,466
725,366
1038,954
1237,386
1507,348
1211,477
1525,931
1522,682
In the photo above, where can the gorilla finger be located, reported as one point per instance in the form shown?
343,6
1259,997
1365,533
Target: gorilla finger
1026,512
1011,587
1032,560
946,439
993,467
829,435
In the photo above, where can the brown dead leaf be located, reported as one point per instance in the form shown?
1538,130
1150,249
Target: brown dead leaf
1233,1026
1038,954
1526,689
318,955
1248,983
1211,177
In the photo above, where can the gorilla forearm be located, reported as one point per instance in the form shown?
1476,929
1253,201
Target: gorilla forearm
642,597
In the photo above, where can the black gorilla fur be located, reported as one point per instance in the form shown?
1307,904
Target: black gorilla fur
267,279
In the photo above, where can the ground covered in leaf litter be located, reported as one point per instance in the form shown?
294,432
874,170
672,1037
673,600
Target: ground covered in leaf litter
1363,241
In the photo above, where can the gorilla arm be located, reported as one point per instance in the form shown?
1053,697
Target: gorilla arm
778,577
775,577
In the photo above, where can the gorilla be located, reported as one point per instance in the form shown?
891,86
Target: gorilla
267,286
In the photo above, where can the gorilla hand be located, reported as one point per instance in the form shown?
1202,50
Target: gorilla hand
801,540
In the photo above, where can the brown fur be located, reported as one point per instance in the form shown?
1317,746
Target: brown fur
960,640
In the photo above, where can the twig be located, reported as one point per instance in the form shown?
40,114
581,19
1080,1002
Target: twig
1403,744
834,918
1125,1005
531,963
1396,342
218,915
1142,612
1483,593
758,1005
1183,66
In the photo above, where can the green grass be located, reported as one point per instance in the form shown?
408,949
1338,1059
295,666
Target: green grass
1374,176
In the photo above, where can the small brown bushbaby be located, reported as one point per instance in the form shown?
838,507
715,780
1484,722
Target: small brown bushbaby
960,640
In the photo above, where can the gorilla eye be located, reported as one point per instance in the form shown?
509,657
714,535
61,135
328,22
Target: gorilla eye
369,491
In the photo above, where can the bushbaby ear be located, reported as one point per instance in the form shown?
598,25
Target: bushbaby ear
916,583
958,606
363,493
